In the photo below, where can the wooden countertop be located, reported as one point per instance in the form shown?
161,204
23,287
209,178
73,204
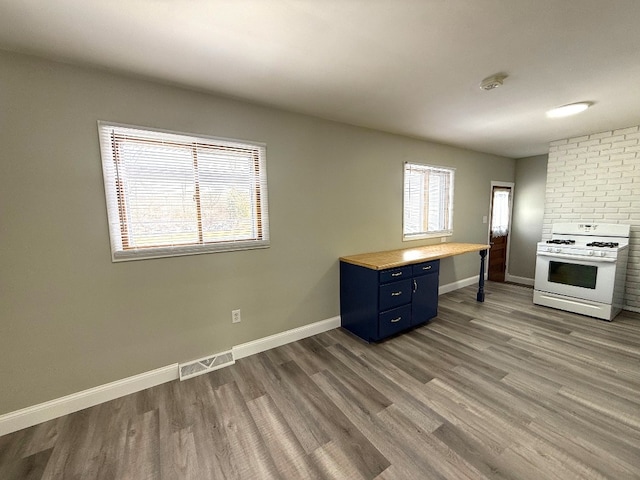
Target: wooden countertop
408,256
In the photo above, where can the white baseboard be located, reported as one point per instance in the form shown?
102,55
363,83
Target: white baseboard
27,417
450,287
279,339
520,280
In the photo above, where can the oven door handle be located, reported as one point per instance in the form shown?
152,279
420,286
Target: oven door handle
577,257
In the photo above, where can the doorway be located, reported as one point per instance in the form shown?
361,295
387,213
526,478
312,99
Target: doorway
499,229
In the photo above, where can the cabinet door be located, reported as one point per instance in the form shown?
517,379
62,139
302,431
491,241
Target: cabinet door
424,301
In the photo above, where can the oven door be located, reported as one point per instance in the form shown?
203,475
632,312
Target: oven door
588,279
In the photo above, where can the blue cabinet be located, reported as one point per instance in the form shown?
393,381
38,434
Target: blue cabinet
375,304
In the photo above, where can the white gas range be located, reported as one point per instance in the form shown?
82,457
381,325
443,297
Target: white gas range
582,269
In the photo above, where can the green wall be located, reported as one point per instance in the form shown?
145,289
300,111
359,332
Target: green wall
70,319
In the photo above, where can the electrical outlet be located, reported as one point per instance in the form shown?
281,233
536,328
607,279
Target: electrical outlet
235,316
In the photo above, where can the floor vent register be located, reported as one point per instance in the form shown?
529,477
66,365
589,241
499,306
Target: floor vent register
206,365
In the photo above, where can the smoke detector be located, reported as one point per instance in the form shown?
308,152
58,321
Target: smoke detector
494,81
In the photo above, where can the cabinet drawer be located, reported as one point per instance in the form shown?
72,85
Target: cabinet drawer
395,294
426,267
395,274
394,321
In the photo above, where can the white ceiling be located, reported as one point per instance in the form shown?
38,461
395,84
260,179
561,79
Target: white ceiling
405,66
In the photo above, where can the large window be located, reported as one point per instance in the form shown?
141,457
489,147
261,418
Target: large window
176,194
428,201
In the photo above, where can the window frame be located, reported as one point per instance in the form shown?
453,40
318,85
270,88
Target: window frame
426,233
116,200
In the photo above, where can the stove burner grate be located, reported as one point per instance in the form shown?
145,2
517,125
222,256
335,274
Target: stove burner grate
561,242
603,244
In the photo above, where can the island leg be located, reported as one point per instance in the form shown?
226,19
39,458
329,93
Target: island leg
480,296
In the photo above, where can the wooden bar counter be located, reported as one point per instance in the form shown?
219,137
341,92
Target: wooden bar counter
386,293
408,256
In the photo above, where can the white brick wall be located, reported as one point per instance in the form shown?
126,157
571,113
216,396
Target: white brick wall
596,178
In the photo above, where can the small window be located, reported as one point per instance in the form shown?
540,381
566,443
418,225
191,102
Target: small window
176,194
428,201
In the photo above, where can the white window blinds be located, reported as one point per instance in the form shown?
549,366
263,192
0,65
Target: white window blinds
177,194
428,201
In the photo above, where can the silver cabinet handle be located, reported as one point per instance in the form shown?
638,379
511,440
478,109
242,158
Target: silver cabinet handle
415,286
428,267
395,294
396,320
397,274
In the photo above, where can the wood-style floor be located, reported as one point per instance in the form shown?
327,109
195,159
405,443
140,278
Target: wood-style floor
500,390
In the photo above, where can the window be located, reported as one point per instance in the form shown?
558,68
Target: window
428,201
176,194
500,211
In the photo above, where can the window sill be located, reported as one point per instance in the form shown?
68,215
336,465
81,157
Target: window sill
150,253
410,238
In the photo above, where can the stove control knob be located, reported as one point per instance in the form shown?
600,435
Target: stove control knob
591,252
599,254
558,250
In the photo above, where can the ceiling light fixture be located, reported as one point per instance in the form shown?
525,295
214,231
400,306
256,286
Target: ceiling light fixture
494,81
566,110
